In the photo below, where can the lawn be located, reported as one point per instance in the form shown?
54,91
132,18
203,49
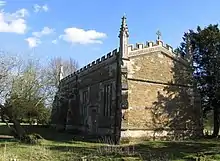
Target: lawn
64,147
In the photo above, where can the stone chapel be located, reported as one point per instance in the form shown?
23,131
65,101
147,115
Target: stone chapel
142,91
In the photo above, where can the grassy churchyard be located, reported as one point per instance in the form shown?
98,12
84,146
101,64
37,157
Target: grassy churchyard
63,147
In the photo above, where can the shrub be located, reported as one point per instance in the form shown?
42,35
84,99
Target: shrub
31,139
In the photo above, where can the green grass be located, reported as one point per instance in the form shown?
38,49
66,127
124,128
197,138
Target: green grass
50,150
64,147
185,150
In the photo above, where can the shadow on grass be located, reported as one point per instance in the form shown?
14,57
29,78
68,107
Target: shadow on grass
151,150
4,140
48,133
177,150
95,152
52,134
4,130
79,150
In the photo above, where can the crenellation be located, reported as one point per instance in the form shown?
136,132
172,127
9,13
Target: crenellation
159,42
155,44
109,55
98,61
65,79
72,78
153,47
73,74
170,48
150,44
139,45
93,63
89,66
62,80
135,48
130,47
103,58
166,46
115,51
146,45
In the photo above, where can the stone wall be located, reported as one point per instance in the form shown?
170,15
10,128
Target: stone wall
83,106
159,94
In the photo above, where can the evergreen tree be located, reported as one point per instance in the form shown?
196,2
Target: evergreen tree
205,53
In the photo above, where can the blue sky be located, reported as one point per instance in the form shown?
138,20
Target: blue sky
86,30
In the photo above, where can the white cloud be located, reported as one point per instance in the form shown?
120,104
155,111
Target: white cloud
54,41
21,13
45,8
38,8
44,31
2,3
33,42
80,36
13,22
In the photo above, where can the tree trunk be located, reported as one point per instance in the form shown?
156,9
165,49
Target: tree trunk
17,131
216,121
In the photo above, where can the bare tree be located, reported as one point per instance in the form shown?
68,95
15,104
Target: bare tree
54,69
8,70
52,74
7,66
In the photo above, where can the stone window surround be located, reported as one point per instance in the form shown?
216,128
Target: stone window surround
107,92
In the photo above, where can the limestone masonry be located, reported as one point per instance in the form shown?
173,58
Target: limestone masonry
137,91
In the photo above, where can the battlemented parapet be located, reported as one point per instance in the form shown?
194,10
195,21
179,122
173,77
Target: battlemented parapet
92,66
150,46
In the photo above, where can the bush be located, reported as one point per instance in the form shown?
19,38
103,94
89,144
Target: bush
31,139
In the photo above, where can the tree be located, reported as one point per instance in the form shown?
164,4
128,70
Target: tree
7,64
54,69
53,76
27,90
25,97
205,50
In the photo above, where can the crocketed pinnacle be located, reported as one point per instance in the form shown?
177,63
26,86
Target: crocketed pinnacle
124,27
